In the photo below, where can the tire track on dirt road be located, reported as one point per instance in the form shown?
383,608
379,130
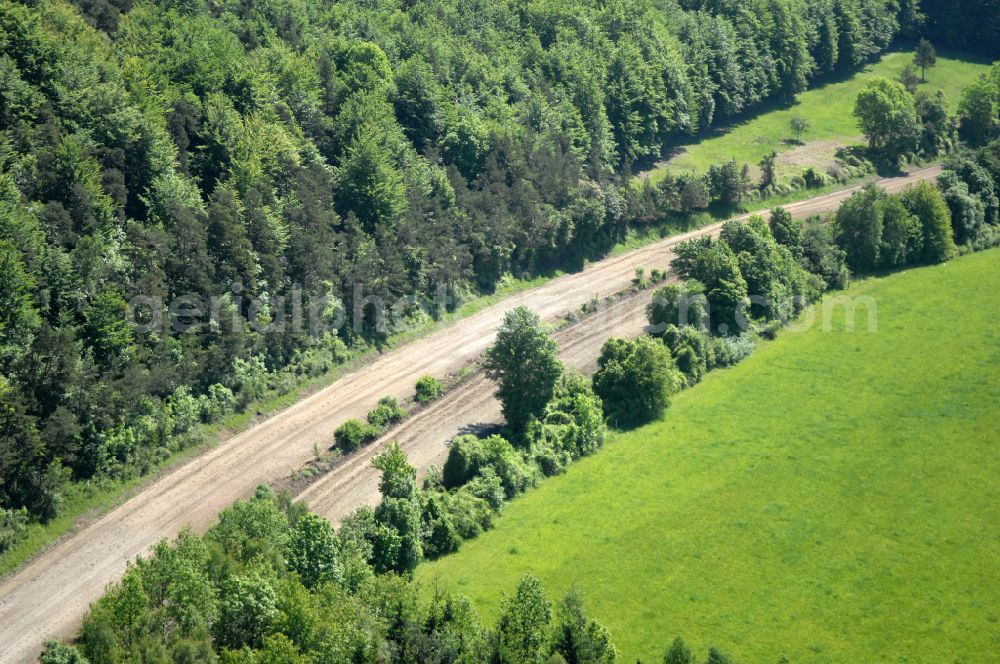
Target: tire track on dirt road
49,596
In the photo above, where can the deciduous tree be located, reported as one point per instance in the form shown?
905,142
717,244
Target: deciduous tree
799,126
523,626
523,363
635,380
312,551
924,201
858,224
887,116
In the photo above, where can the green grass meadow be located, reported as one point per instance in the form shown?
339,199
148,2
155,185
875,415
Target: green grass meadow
834,498
828,109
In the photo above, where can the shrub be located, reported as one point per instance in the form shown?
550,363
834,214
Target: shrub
388,411
469,457
184,408
814,179
572,425
218,403
732,350
248,380
716,266
786,231
428,389
685,304
968,211
440,535
821,256
60,653
678,653
487,486
352,434
839,173
12,523
471,514
635,380
551,460
690,348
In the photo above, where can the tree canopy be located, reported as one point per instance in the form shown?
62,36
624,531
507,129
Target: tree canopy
523,362
887,116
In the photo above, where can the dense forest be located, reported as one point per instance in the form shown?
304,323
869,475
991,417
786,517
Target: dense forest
968,25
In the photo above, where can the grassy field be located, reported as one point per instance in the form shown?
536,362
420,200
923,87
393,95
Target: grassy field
834,498
827,108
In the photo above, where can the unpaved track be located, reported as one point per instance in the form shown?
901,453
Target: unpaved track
471,407
49,596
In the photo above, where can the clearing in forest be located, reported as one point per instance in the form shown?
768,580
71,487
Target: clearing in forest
826,106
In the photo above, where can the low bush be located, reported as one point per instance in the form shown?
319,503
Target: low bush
60,653
388,411
674,304
691,347
838,173
429,388
217,403
470,457
732,350
352,434
470,514
572,425
814,179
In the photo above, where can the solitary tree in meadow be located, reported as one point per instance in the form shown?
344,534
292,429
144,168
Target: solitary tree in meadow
799,126
924,57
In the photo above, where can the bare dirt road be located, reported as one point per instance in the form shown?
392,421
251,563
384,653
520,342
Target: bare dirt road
49,596
471,407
